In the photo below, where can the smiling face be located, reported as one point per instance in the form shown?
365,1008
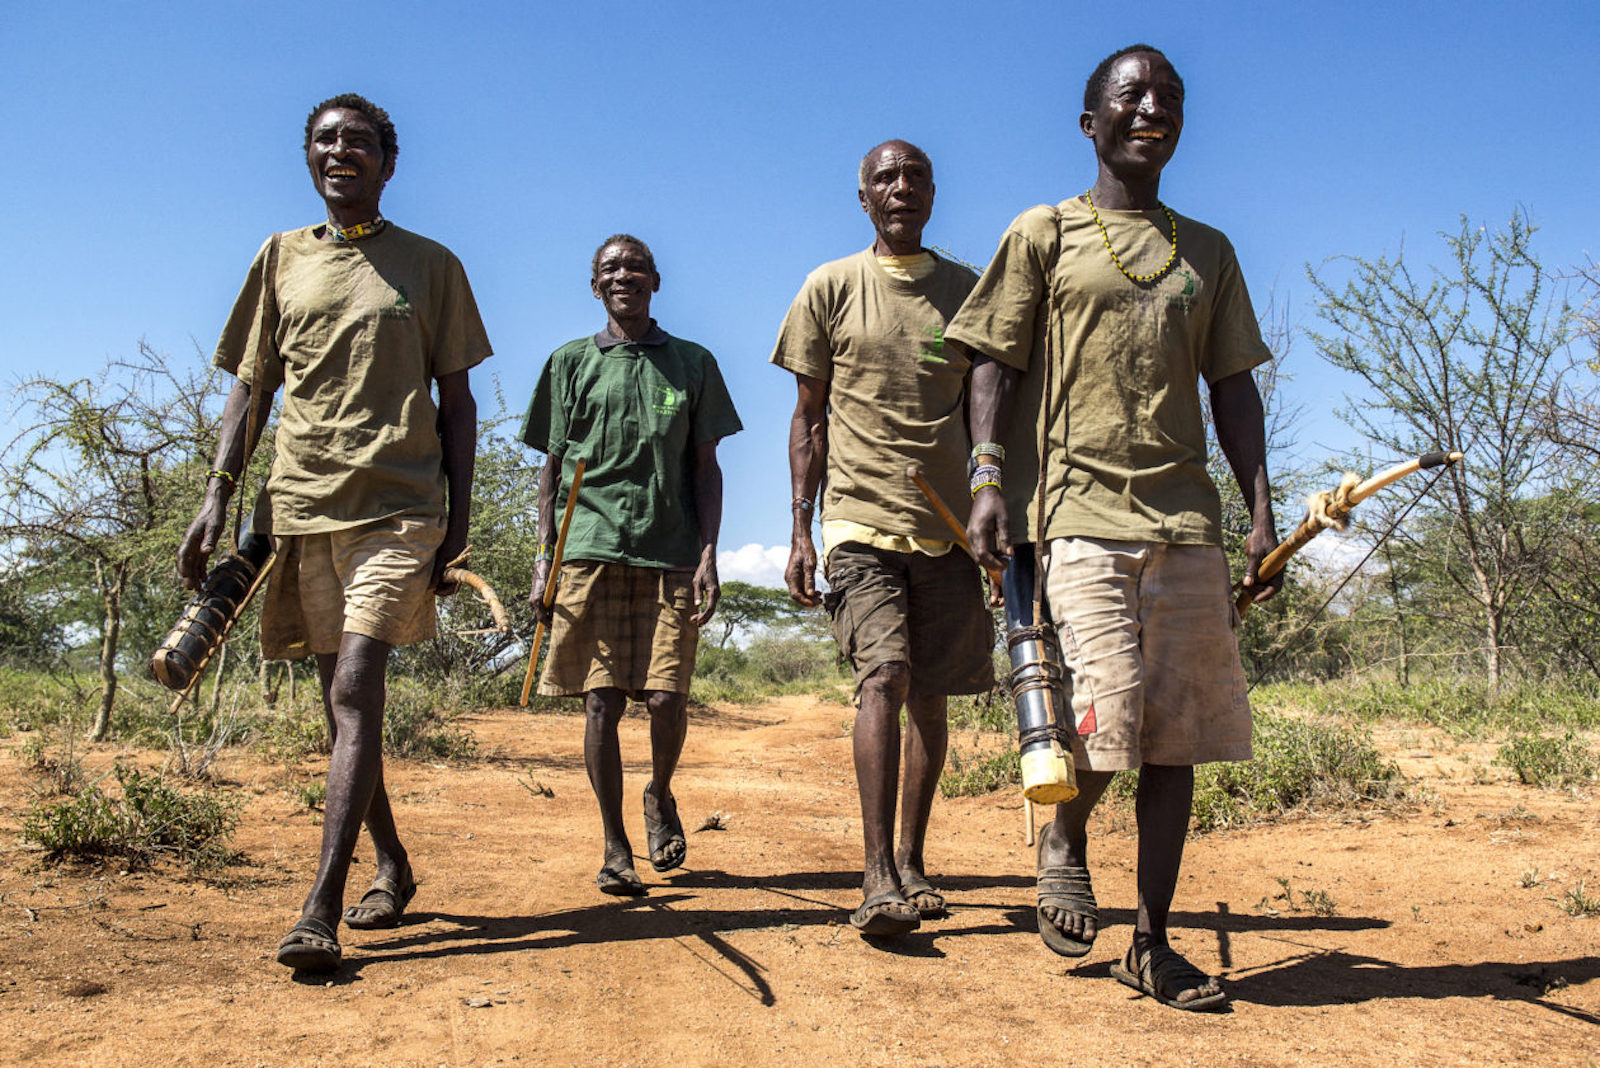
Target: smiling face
348,166
897,195
623,281
1136,124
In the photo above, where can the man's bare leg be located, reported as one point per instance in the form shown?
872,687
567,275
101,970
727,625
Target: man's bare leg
1166,794
927,739
354,694
391,854
876,748
669,726
1065,843
602,758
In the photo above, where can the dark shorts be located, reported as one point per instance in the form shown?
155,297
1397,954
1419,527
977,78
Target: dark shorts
925,611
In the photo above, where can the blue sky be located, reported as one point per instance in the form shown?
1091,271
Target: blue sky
151,148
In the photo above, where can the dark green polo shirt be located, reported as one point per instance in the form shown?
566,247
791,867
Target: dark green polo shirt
636,412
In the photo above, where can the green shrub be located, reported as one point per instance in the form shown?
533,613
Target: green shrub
771,664
32,699
150,819
419,721
1463,707
981,776
992,711
1548,761
1298,764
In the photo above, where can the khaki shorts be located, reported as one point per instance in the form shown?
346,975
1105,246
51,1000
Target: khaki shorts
623,627
926,611
1152,664
373,580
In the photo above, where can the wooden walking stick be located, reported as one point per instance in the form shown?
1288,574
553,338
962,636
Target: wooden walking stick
914,473
550,582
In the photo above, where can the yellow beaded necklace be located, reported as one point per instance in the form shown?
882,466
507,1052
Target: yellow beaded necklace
1172,257
358,231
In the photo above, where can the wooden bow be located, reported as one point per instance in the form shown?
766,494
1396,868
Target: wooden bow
1332,508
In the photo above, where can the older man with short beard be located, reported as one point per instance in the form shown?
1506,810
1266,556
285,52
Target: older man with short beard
879,390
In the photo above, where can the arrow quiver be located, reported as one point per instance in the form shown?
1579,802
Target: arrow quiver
1038,690
211,613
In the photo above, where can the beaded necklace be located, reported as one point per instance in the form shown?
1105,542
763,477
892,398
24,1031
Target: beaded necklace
1106,238
358,231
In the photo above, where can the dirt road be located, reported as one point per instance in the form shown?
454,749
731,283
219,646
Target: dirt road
1435,951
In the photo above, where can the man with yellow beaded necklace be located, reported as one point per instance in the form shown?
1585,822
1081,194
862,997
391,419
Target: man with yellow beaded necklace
1130,305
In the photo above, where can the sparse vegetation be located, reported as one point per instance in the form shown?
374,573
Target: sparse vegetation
150,819
981,775
1465,708
773,663
312,794
420,721
1549,761
1577,901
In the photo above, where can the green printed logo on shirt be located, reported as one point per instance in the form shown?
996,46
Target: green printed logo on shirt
669,400
931,350
1184,300
401,308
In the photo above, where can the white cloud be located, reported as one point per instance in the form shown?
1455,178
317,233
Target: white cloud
760,565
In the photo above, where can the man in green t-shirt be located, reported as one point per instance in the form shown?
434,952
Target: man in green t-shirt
878,391
1131,306
358,321
644,410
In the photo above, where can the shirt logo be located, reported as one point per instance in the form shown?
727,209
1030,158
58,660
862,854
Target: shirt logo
669,400
932,349
1186,298
400,309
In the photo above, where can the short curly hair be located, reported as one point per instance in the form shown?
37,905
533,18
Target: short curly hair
357,102
621,239
1095,88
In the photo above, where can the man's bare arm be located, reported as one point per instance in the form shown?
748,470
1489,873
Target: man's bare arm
545,527
808,456
458,433
201,539
993,389
708,508
1241,431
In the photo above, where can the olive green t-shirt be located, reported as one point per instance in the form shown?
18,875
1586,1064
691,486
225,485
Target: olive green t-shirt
357,334
895,390
635,412
1127,444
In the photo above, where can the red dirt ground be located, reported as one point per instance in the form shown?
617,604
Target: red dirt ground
1436,953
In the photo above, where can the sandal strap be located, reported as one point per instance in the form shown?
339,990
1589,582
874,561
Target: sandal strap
1167,971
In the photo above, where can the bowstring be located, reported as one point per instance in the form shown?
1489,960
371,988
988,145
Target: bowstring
1312,618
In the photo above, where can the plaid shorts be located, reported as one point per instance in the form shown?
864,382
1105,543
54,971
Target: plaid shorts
927,611
372,579
1152,664
619,626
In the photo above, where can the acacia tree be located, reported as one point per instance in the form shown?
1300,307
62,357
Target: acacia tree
1465,360
97,488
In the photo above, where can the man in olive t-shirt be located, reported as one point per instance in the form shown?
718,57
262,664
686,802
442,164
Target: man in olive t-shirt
644,410
1138,305
359,321
878,391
